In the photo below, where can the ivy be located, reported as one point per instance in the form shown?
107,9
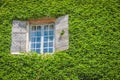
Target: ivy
94,35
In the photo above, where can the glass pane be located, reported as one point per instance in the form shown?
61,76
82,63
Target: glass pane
32,45
51,38
37,45
50,50
45,33
45,50
38,39
38,28
33,28
51,27
45,38
38,50
32,39
33,34
50,32
45,44
46,27
33,50
50,44
38,33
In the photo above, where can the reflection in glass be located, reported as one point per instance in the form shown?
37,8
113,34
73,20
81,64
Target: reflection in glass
33,34
50,50
32,39
45,44
33,28
50,32
51,38
45,50
45,33
50,44
38,33
46,27
38,28
37,45
38,50
45,38
51,27
32,45
38,39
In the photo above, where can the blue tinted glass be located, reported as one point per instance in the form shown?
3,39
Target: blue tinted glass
50,44
46,27
45,33
45,50
45,38
38,39
38,50
32,45
50,32
51,38
38,33
38,28
45,44
37,45
51,27
33,28
33,34
32,39
50,50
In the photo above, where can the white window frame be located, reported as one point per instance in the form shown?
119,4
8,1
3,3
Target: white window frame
42,37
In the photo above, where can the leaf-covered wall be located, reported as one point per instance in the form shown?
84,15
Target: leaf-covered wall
94,34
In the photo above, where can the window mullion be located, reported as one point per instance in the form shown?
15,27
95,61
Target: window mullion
42,38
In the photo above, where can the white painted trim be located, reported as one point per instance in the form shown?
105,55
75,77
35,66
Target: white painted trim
42,38
27,38
54,38
15,52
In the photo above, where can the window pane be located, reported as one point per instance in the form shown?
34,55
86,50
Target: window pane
50,44
38,50
50,50
38,33
50,32
51,38
45,50
32,39
38,39
46,27
33,28
37,45
33,34
32,45
45,33
51,27
45,38
45,44
38,28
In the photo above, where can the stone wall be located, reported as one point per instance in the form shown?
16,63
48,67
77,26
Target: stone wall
18,37
61,41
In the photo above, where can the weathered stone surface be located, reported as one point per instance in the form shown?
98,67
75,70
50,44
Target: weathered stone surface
18,37
61,41
19,26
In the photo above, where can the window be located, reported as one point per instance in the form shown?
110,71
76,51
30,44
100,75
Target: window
41,38
42,35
